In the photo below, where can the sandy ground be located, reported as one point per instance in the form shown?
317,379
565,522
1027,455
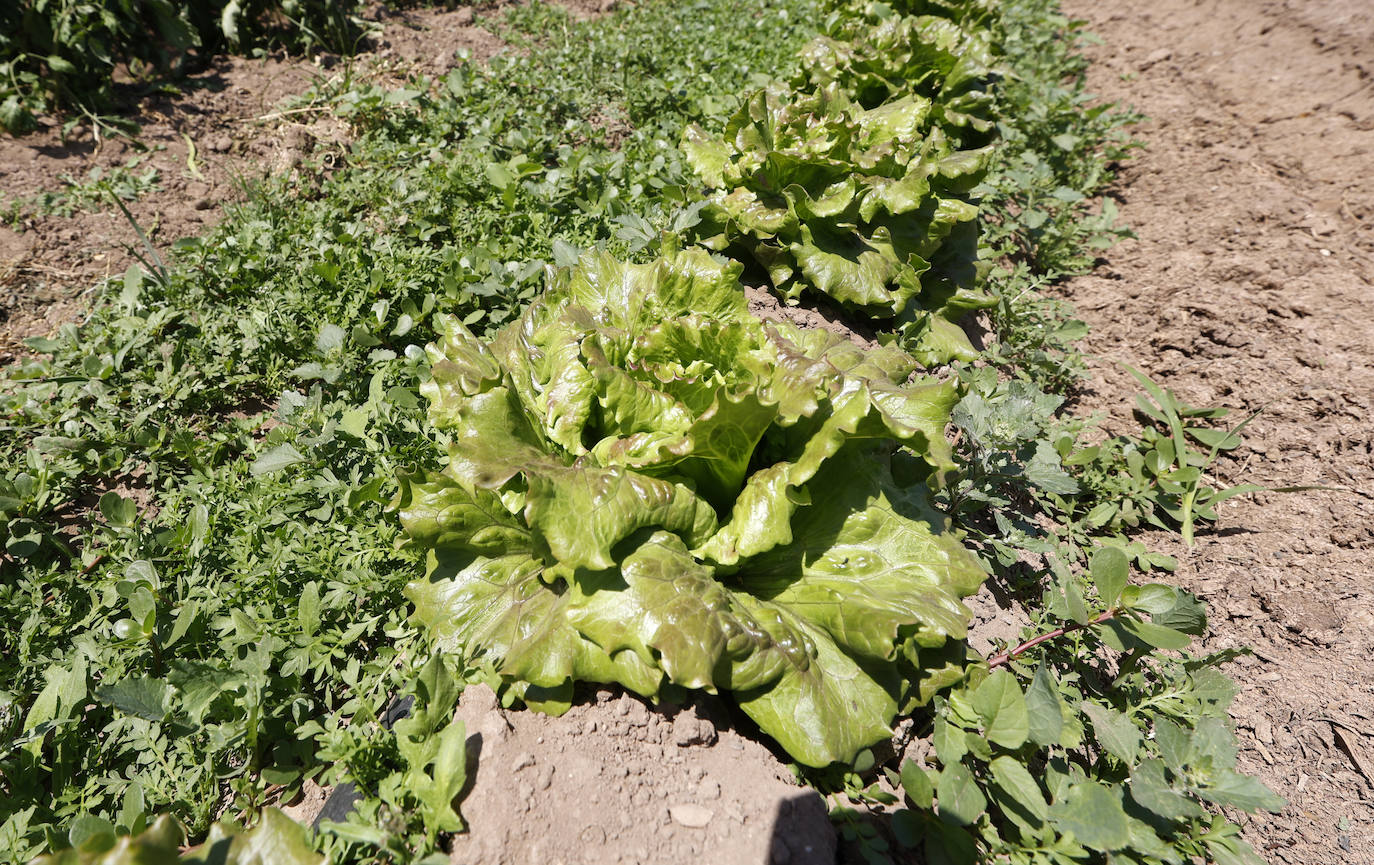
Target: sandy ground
1251,286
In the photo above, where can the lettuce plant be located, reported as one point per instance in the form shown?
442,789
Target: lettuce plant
869,206
980,12
939,59
646,485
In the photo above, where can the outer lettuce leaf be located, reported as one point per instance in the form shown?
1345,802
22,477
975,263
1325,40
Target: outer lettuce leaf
159,844
873,564
563,552
277,839
825,707
501,609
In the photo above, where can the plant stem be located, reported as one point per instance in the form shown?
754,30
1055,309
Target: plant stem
1005,657
1187,520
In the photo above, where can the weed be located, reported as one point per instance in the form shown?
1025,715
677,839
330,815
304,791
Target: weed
62,55
86,196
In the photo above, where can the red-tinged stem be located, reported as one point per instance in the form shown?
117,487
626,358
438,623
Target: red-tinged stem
1005,657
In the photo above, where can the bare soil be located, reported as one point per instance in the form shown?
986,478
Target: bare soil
1250,286
616,781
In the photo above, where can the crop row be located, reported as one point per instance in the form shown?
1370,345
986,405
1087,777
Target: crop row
636,480
647,486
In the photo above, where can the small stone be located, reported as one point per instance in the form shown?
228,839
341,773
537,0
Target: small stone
464,16
221,143
691,730
590,726
708,790
545,779
522,761
689,815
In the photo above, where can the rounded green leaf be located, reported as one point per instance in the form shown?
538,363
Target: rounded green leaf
961,801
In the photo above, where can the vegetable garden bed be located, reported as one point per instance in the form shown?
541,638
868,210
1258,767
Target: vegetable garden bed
614,474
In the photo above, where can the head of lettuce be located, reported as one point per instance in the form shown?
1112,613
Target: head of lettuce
646,485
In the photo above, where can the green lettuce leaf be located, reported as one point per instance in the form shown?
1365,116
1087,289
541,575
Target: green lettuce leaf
950,63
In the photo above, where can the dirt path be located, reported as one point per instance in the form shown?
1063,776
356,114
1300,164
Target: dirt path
1251,286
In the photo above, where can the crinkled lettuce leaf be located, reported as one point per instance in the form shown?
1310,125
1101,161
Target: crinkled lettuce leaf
949,63
969,13
646,485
